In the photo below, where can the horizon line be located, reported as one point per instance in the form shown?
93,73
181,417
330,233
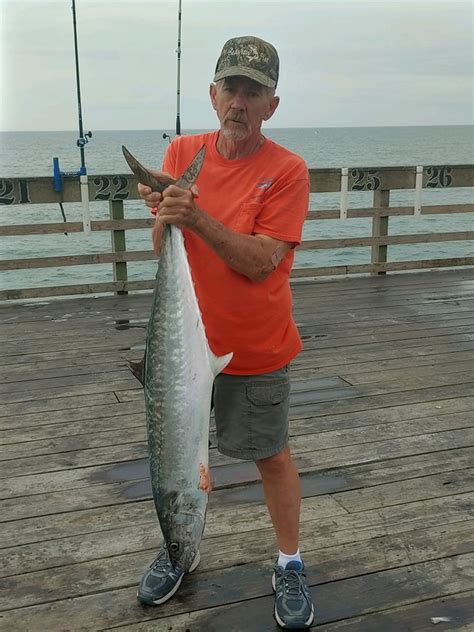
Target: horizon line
166,129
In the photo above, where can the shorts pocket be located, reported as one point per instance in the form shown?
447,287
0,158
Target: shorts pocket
270,394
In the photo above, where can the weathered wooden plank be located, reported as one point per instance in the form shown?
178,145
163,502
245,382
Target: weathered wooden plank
39,371
393,325
86,306
80,411
244,517
74,290
325,438
334,563
50,228
65,332
57,403
37,387
343,599
354,317
391,211
29,263
327,359
104,418
362,403
104,485
148,255
382,300
40,190
35,331
375,346
109,338
362,416
455,612
386,339
126,382
93,310
376,450
349,242
73,459
319,459
63,429
402,281
367,377
391,266
129,286
458,609
129,389
398,493
135,448
75,366
88,546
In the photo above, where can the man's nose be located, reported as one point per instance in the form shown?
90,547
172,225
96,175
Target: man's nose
238,101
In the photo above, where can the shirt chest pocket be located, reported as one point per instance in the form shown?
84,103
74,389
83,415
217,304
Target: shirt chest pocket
244,220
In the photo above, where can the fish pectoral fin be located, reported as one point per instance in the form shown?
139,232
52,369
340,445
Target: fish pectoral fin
219,363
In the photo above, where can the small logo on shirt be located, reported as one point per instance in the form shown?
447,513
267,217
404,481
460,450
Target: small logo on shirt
265,184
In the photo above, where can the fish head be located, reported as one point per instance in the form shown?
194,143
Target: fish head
182,526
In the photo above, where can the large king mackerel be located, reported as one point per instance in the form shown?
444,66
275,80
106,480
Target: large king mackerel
179,372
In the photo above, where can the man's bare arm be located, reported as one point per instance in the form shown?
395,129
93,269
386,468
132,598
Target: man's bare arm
254,256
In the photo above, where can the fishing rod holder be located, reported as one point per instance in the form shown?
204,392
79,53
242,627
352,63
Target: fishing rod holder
84,187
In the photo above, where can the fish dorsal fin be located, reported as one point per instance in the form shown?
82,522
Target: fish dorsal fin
219,363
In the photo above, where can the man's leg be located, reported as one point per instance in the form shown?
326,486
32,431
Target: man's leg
251,415
281,485
294,607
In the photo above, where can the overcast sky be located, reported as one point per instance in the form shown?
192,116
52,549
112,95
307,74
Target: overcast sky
352,63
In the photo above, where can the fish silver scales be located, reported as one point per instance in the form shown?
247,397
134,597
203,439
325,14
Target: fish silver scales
179,372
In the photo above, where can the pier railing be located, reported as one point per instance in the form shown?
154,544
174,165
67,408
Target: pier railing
117,189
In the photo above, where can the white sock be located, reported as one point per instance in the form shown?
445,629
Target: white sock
283,558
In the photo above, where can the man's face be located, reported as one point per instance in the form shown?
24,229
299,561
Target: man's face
242,105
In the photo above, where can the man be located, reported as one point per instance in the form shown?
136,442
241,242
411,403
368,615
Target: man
240,233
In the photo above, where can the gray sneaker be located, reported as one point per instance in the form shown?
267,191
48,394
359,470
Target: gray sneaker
294,609
162,579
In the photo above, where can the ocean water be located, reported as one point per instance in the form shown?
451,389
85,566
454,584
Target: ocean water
25,154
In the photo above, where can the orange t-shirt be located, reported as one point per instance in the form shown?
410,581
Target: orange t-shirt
265,193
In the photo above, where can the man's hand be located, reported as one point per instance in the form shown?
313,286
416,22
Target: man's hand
179,208
152,198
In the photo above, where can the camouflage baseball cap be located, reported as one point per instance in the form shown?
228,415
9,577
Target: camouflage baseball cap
250,57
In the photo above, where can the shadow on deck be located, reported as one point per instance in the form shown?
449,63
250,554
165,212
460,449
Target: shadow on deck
382,418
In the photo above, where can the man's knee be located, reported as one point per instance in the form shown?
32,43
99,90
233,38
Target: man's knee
276,464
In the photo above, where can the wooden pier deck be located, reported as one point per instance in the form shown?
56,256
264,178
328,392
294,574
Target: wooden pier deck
382,427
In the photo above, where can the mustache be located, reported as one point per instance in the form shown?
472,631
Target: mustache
236,117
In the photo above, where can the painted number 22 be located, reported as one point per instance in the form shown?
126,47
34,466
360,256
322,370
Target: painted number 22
114,188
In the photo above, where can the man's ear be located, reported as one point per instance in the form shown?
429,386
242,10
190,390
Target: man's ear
272,107
212,94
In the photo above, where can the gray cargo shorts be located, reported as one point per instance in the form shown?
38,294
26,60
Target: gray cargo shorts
251,413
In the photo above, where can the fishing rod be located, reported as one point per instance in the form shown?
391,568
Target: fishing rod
81,143
178,75
178,79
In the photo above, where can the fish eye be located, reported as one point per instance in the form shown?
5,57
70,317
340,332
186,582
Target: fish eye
174,547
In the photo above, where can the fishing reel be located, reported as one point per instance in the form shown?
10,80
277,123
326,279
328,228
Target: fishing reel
82,140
